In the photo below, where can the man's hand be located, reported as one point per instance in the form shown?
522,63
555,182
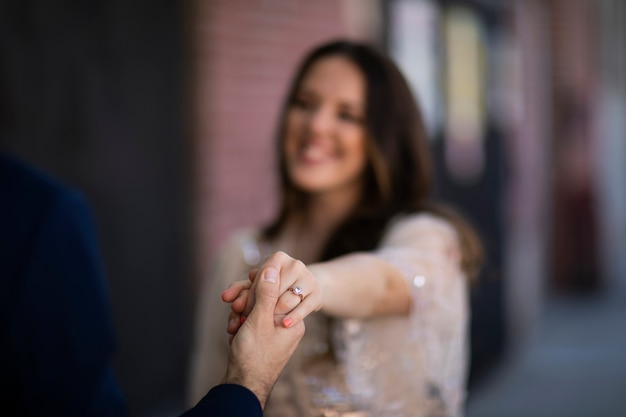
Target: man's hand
261,348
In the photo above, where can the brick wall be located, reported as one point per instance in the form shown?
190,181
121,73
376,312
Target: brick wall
244,53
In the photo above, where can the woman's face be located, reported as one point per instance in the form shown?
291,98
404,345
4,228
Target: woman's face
324,142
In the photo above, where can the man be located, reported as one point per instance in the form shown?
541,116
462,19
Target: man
57,339
55,323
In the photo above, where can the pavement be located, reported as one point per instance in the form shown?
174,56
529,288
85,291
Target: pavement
573,366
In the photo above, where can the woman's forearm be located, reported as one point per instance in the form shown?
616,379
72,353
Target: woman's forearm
361,285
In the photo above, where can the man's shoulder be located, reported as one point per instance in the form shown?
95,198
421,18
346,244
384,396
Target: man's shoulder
26,191
30,200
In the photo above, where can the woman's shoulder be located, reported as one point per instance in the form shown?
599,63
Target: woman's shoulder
420,224
422,232
441,230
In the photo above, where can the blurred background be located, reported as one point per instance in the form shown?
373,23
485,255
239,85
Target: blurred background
163,114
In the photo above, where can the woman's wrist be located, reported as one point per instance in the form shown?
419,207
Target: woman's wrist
322,277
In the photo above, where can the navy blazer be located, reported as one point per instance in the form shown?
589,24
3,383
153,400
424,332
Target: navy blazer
55,322
227,400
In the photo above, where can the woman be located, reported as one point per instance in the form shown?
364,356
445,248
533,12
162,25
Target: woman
356,240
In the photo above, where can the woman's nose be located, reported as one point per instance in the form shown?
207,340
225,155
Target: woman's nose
321,120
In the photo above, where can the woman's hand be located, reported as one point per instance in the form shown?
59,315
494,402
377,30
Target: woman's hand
301,292
237,295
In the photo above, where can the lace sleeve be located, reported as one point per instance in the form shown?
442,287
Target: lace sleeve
414,365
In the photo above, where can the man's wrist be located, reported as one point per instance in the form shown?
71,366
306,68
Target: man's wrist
227,399
256,385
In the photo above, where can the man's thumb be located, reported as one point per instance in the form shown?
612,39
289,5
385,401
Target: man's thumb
267,291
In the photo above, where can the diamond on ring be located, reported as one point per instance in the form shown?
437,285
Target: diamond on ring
297,291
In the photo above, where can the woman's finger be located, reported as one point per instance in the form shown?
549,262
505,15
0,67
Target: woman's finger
252,274
311,303
239,304
288,301
232,292
234,322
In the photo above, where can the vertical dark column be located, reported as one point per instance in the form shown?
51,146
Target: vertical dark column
481,203
481,200
92,92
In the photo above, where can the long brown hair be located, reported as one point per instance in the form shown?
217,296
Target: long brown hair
398,177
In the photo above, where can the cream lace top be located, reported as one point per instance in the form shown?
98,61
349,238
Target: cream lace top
391,366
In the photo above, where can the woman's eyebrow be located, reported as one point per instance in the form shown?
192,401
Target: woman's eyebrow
344,104
352,106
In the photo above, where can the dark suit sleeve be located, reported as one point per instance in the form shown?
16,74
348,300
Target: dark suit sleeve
227,400
61,326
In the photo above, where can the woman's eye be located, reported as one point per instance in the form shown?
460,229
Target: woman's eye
349,117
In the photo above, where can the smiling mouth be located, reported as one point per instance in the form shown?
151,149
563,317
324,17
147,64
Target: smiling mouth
311,153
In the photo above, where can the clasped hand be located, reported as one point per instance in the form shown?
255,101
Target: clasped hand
291,308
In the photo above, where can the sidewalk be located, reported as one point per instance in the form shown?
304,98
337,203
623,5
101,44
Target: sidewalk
575,366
